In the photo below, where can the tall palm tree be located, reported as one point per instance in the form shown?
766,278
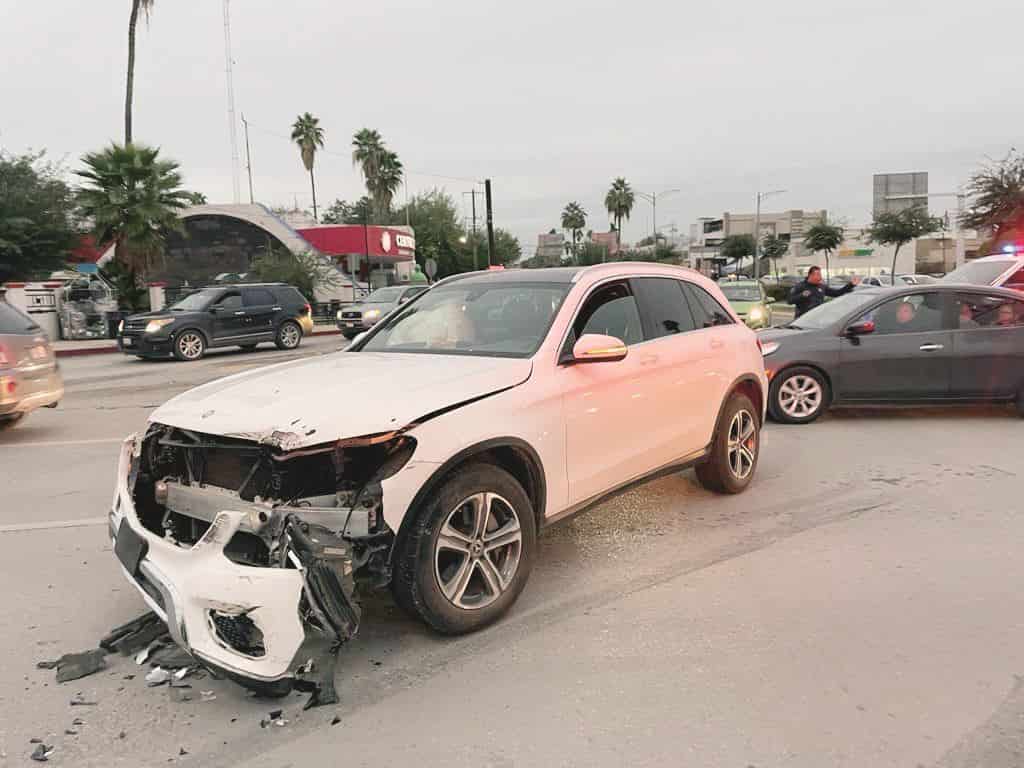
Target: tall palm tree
137,5
619,203
309,136
389,179
574,218
369,156
132,198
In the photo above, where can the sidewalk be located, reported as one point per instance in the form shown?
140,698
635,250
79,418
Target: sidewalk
66,348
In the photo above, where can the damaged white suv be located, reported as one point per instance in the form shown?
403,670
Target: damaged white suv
427,456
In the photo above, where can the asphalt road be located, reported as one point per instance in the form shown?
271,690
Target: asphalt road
859,606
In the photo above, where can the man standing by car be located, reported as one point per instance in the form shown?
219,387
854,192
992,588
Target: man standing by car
811,292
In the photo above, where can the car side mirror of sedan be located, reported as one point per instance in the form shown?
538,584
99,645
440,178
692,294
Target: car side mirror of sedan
598,348
863,328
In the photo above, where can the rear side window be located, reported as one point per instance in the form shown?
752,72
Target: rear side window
287,294
1016,280
707,312
611,310
13,321
663,307
977,310
257,297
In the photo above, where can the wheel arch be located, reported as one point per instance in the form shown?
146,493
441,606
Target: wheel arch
198,329
512,454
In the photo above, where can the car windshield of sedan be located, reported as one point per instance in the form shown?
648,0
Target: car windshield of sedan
978,272
831,311
740,292
485,319
384,296
195,302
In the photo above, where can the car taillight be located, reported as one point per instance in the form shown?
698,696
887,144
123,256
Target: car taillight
306,309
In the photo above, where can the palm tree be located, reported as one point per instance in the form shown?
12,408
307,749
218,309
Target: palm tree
574,218
389,179
619,203
137,5
381,169
132,199
307,133
774,248
824,237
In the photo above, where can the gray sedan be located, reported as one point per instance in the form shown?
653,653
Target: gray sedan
29,375
918,344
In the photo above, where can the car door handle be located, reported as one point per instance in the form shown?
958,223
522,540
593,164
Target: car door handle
240,313
930,347
276,309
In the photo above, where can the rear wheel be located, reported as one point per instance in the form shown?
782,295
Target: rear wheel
289,335
190,345
734,450
468,552
797,395
10,422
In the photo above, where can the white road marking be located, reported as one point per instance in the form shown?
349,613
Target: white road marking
59,443
50,525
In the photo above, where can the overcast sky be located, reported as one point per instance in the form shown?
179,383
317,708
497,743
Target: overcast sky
549,99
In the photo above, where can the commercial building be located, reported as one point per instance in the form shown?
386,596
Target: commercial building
707,235
550,248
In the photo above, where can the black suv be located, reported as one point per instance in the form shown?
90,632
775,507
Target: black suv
225,316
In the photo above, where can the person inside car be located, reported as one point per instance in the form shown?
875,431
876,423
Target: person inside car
811,292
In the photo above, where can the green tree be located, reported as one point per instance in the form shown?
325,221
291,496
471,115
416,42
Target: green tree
133,19
591,253
309,136
344,212
132,295
735,248
37,229
824,237
196,198
305,271
574,218
619,203
774,248
389,180
132,198
381,169
997,196
901,227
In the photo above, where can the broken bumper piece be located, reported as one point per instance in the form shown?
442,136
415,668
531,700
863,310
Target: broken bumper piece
249,621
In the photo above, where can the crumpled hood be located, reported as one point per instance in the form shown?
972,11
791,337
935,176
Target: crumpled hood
335,396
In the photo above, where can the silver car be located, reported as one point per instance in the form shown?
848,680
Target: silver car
29,375
356,318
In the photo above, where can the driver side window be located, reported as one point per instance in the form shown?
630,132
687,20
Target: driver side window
230,301
916,313
611,310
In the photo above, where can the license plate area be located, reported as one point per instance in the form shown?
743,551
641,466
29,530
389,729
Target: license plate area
128,341
130,548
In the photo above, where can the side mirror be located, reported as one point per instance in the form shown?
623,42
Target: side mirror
598,348
863,328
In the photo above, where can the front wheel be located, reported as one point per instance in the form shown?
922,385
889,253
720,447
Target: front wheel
289,335
190,345
734,450
468,552
797,396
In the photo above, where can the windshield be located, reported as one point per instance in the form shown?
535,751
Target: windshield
486,319
979,272
831,311
13,321
195,302
741,292
384,296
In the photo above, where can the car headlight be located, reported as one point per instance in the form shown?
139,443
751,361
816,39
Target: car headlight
339,314
120,327
155,325
768,347
756,314
373,314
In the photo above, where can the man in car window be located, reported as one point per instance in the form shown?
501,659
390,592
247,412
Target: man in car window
811,292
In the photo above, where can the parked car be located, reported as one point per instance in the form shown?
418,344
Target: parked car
223,316
428,455
936,343
29,375
884,281
1001,269
356,318
750,301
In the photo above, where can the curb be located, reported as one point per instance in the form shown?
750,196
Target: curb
113,347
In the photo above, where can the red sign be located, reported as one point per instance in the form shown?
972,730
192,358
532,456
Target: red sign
388,244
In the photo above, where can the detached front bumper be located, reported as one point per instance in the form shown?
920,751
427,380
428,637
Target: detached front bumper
210,603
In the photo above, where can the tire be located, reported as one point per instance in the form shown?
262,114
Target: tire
190,345
10,422
735,448
457,583
349,335
289,335
247,347
798,395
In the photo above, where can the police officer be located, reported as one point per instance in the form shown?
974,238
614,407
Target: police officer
811,292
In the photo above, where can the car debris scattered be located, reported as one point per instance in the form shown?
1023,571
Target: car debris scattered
42,753
157,676
276,718
180,693
80,701
135,635
72,666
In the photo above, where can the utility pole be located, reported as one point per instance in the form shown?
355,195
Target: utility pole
490,222
248,158
476,263
229,74
757,229
652,198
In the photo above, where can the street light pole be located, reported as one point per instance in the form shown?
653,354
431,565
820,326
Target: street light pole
757,228
652,198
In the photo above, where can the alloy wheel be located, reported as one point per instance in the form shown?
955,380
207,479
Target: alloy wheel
742,444
800,396
190,344
290,335
478,551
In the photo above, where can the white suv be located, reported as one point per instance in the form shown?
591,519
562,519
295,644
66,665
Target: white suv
428,455
1004,270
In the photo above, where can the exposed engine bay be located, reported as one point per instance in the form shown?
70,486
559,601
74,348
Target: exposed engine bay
317,510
